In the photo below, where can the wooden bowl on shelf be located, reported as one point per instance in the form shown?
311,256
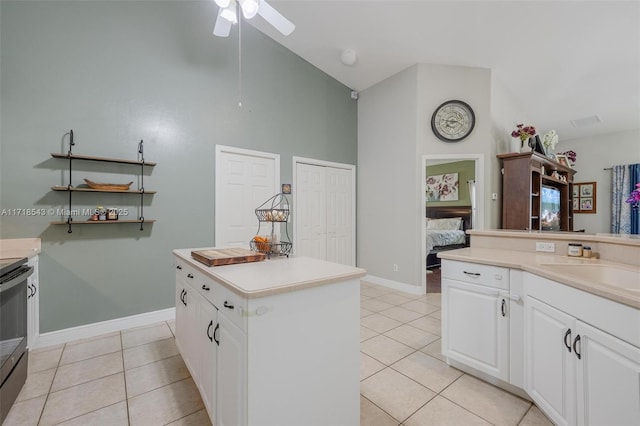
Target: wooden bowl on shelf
108,186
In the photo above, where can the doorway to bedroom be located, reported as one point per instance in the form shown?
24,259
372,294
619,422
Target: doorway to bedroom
452,192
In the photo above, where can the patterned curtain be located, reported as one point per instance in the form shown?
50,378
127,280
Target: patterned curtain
620,211
634,177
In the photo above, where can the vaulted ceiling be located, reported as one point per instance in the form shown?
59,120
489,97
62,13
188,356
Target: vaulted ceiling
561,60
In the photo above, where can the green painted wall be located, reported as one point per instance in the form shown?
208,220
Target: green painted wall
466,171
118,72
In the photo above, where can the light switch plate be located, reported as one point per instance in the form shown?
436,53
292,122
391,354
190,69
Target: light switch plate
546,247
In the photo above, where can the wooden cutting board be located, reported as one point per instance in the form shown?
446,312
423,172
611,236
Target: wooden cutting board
229,256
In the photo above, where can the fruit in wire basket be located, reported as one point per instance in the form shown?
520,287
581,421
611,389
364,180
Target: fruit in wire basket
262,243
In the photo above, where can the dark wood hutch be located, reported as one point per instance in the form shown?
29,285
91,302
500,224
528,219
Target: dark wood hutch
523,177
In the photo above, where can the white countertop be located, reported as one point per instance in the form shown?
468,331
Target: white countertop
622,239
534,262
275,275
20,247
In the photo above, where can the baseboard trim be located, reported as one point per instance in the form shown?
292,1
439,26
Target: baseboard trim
91,330
396,285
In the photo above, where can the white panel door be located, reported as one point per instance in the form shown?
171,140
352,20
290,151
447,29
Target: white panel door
244,180
311,211
339,215
324,217
549,365
608,377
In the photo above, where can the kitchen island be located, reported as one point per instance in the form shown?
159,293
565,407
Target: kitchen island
274,342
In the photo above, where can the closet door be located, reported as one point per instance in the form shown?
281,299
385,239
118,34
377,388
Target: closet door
339,215
311,211
324,213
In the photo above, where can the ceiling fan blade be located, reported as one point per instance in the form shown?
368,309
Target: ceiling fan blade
223,26
275,18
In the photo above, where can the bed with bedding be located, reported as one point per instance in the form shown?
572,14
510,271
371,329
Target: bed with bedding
446,228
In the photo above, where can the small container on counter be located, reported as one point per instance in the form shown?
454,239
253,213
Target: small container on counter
586,251
574,250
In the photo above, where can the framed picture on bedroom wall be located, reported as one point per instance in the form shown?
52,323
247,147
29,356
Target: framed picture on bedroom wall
584,197
443,187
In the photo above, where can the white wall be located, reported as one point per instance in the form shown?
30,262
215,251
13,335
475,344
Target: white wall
594,154
394,132
386,178
506,113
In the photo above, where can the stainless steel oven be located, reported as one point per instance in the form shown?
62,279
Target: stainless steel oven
14,355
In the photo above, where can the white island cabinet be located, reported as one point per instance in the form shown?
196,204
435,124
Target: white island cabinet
273,342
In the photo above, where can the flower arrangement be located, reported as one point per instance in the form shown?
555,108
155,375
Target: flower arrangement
571,155
634,197
550,140
523,132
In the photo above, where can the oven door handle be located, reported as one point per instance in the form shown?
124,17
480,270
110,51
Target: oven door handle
17,280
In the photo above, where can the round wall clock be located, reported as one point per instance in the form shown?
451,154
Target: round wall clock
453,121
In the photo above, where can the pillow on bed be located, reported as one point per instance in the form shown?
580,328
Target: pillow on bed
448,224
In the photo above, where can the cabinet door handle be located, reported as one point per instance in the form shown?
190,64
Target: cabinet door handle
183,295
29,293
178,267
216,332
575,348
567,345
473,274
227,305
35,289
503,308
189,276
205,287
209,328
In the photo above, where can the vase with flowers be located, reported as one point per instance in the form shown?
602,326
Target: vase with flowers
523,133
634,197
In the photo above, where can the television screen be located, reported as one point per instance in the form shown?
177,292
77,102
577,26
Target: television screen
550,209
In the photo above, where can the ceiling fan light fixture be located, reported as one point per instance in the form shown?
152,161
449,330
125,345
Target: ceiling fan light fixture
249,8
229,13
223,3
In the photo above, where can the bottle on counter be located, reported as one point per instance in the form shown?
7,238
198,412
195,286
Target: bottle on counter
586,251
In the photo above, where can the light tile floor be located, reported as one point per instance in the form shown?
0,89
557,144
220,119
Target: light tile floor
137,377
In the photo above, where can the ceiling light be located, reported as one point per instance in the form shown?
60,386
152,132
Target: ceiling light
249,8
223,3
348,57
229,13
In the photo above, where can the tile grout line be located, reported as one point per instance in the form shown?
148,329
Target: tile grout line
51,385
124,376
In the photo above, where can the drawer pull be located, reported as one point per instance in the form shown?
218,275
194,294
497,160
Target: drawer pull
189,276
472,274
227,305
206,287
503,308
178,267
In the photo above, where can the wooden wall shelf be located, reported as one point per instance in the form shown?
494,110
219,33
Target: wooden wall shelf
115,191
101,159
101,222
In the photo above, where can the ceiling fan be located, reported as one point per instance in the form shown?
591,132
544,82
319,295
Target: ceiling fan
228,15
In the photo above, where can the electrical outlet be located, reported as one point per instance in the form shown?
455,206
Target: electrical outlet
546,247
395,267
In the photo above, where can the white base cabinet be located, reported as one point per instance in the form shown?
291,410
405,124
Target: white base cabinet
475,312
291,358
576,355
576,372
33,304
